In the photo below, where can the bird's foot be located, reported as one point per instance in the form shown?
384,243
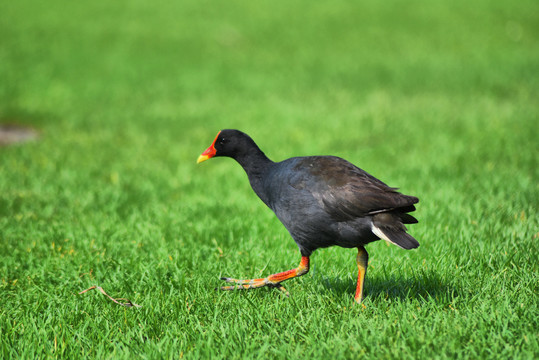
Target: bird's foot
270,281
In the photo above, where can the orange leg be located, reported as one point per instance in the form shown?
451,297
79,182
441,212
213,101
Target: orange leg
271,281
362,261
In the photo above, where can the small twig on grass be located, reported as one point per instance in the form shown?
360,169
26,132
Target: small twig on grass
129,303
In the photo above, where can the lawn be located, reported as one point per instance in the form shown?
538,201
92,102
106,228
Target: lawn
438,98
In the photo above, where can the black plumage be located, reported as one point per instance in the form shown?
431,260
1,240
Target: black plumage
321,200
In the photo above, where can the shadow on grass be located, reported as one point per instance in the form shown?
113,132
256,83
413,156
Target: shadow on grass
423,286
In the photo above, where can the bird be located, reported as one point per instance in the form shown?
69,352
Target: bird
322,201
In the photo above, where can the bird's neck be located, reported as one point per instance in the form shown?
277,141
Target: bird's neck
256,164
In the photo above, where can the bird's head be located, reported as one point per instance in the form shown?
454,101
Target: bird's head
231,143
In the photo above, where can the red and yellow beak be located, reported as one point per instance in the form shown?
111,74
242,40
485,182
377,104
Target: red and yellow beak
209,152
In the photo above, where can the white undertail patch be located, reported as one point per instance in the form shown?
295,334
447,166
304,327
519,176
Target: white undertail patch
378,232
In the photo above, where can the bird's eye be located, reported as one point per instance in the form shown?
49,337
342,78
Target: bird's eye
223,141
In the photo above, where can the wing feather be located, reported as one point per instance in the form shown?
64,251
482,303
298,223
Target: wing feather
346,191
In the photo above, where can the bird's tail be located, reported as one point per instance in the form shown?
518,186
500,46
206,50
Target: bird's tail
389,227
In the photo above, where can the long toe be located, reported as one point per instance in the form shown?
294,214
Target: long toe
244,284
283,290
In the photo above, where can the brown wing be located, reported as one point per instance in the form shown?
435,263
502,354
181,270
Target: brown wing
347,192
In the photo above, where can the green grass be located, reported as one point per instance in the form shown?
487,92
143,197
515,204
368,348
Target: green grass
438,98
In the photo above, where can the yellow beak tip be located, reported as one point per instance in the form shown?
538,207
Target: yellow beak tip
202,158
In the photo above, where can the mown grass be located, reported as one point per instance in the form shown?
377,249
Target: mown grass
438,98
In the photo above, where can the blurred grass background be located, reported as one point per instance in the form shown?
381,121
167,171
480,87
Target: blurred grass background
438,98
